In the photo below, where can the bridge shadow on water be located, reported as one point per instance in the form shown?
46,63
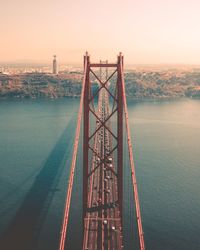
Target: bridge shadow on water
25,227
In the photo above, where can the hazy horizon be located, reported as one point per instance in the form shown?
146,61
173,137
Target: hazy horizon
147,32
79,64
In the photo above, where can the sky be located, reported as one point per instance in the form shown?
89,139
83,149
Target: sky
146,31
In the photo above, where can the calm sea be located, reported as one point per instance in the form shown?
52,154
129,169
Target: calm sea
36,141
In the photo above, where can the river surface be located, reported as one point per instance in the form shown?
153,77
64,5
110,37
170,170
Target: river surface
36,141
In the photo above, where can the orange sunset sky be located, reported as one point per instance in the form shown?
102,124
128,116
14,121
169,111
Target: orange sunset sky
146,31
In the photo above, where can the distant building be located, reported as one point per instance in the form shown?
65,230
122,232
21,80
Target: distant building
55,65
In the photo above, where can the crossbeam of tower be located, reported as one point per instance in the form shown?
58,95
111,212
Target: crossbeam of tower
102,159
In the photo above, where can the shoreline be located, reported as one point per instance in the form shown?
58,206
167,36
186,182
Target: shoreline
77,96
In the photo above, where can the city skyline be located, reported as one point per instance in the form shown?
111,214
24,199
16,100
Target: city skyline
147,32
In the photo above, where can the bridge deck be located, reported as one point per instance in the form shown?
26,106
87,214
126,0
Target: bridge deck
102,187
102,224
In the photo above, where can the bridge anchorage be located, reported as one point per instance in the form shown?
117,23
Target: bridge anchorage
105,111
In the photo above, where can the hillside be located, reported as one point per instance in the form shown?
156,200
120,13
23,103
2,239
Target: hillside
139,84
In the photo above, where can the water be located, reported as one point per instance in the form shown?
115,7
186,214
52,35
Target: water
166,137
36,140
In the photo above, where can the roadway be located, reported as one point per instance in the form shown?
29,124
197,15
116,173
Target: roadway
102,223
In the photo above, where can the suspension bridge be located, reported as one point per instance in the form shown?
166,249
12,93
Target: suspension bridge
104,113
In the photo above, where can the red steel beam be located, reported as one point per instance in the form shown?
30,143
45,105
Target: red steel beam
133,175
103,65
86,137
73,164
120,137
102,84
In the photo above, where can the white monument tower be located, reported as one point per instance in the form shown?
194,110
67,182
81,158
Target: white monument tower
55,66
